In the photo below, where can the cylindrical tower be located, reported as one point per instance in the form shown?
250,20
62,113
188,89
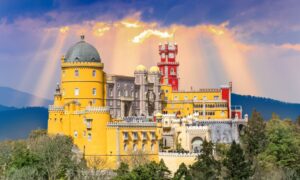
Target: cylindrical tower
82,75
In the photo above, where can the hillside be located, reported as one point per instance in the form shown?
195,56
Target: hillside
17,123
14,98
266,106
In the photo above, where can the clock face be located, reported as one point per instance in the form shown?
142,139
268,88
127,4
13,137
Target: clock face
171,55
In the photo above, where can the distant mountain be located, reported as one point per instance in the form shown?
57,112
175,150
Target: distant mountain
266,106
14,98
18,123
4,108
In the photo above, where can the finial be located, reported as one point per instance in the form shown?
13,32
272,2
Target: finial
82,37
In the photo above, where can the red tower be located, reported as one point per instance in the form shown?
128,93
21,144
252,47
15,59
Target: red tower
168,65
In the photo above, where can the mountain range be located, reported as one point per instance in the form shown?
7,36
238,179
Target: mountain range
17,118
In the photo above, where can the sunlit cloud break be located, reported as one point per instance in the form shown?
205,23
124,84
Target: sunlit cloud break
149,32
130,25
64,29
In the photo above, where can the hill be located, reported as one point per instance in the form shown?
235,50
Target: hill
266,106
18,123
15,98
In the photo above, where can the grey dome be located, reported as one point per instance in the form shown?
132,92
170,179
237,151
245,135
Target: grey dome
82,52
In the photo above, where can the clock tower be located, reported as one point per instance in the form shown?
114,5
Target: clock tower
168,65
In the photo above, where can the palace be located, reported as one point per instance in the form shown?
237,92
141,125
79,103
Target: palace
80,111
114,116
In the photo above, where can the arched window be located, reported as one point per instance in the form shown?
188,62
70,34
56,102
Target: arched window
125,147
143,147
75,134
152,147
94,73
94,91
134,147
196,144
76,92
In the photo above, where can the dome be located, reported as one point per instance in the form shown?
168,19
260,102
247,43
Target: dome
140,68
82,52
154,69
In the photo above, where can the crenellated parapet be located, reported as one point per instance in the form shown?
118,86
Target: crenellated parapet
132,124
178,154
55,108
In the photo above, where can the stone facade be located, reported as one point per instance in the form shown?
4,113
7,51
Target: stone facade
134,96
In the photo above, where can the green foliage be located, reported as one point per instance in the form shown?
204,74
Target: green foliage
283,148
152,170
182,173
206,166
254,138
237,167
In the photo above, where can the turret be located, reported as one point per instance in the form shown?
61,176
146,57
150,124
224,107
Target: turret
168,65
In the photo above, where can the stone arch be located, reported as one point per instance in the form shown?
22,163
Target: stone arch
241,129
196,144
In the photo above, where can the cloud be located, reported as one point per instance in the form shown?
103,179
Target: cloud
210,54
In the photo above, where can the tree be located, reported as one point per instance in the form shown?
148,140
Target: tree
237,167
254,137
182,173
206,166
283,148
298,121
151,170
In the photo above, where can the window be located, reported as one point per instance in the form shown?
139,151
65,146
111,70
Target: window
125,135
216,97
94,92
143,147
75,134
94,101
94,73
144,135
195,98
222,113
84,133
185,98
110,92
132,93
152,147
135,135
152,135
204,98
172,71
89,136
134,147
119,93
76,73
175,97
125,147
136,94
126,93
76,92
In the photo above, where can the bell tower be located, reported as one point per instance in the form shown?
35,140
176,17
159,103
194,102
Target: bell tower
168,65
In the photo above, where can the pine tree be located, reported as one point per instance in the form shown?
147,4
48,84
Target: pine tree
182,173
206,166
254,137
237,167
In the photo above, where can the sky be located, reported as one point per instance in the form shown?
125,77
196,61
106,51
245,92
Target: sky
254,44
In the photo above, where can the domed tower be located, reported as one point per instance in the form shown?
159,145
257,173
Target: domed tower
140,75
79,108
82,75
154,78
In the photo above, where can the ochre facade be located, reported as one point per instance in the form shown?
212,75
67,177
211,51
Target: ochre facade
79,111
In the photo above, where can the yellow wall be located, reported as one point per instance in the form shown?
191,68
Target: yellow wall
190,102
86,122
